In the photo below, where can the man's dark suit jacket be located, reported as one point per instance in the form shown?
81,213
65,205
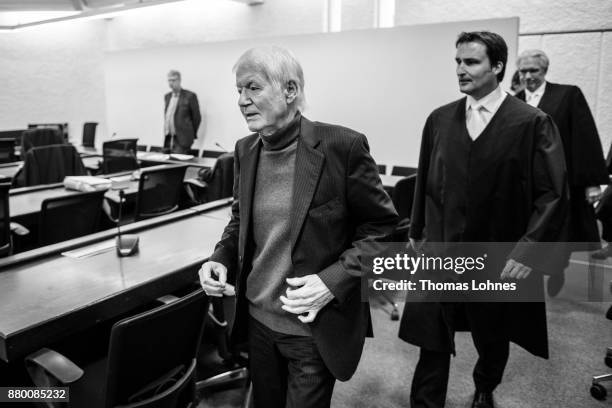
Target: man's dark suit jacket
584,157
187,117
338,205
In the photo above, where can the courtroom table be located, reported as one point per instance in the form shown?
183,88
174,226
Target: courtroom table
46,296
8,170
27,201
88,151
155,157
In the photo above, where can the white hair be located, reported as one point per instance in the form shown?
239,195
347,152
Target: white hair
278,65
538,55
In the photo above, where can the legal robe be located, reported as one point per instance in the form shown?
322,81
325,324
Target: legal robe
507,185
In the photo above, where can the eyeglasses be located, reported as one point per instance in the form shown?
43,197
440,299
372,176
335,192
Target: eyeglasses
529,70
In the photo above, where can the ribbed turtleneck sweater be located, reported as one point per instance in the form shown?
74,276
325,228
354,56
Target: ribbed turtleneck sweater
272,199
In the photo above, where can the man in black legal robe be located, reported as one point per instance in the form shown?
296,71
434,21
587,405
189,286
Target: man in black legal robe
584,157
491,169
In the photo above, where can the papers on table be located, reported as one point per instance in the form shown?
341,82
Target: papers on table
86,183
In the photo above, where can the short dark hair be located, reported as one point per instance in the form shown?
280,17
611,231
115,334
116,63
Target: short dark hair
497,50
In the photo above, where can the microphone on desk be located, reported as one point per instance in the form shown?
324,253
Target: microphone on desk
221,147
126,244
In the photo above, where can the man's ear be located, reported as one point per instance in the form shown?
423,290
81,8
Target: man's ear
291,91
497,68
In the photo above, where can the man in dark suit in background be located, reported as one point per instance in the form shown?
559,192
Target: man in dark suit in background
584,157
181,116
491,170
308,197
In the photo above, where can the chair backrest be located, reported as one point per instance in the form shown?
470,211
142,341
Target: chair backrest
50,164
141,148
119,155
403,195
67,217
156,148
5,220
38,137
211,153
89,134
144,348
7,150
194,152
403,171
221,182
382,168
159,191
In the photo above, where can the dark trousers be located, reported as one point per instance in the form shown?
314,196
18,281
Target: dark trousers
171,145
287,371
604,214
430,380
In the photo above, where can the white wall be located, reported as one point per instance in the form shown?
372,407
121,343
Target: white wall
54,74
581,59
375,81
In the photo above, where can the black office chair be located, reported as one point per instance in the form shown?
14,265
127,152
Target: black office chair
119,155
158,149
141,148
598,390
402,197
194,152
39,137
49,164
5,221
67,217
219,364
159,191
150,363
213,184
382,168
7,228
89,134
213,154
403,171
7,150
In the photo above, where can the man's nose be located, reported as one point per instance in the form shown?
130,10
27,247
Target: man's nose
243,99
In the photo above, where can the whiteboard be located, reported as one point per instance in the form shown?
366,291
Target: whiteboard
381,82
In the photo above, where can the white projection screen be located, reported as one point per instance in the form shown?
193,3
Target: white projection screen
382,82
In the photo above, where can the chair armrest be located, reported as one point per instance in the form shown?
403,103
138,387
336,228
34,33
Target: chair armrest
45,362
196,182
19,229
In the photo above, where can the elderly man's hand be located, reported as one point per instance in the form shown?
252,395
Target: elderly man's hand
515,270
213,277
310,296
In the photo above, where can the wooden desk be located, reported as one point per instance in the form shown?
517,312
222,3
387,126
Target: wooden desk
88,151
27,201
46,299
8,170
155,157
